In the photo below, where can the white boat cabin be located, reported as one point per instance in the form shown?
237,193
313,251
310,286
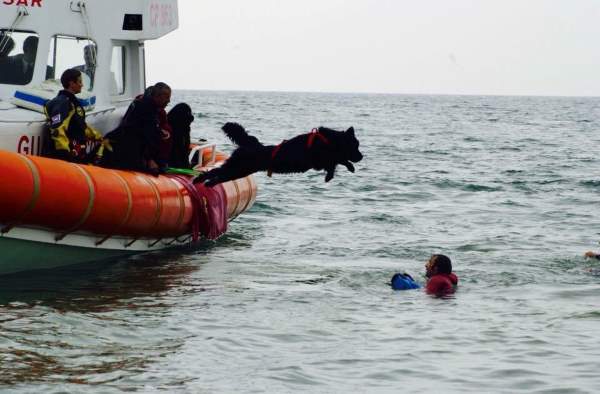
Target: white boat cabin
104,39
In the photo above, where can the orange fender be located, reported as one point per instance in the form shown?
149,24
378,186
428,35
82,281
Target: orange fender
69,197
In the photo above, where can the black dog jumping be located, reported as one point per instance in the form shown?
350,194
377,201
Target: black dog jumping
321,149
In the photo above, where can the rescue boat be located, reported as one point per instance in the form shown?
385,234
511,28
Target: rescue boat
55,213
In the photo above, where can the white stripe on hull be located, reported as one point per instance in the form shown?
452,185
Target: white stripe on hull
26,249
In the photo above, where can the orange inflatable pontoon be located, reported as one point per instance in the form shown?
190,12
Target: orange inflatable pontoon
53,202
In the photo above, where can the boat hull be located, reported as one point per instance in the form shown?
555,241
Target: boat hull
54,213
23,255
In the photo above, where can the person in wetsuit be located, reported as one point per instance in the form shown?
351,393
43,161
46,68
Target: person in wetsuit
138,143
70,137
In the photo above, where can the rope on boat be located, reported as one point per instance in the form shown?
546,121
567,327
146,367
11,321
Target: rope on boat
196,198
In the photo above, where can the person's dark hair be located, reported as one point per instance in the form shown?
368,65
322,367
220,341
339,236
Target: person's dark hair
30,44
70,75
158,88
148,91
7,44
443,264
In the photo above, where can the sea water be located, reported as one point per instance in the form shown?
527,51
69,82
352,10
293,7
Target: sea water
296,296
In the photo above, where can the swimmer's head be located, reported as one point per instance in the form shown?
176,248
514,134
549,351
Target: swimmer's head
438,264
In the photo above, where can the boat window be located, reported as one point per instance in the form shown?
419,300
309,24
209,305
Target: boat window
18,51
74,52
117,70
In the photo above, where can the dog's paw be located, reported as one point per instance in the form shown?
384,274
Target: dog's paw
212,182
328,177
199,179
349,166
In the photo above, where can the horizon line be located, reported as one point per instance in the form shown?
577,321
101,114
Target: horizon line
390,93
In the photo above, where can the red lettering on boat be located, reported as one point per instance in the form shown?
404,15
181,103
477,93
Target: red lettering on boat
23,145
27,3
30,145
161,15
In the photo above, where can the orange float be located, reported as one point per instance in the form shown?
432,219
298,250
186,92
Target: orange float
69,198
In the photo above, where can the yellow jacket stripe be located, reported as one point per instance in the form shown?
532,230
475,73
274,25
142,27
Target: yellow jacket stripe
59,134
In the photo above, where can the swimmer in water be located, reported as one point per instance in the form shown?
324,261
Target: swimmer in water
440,278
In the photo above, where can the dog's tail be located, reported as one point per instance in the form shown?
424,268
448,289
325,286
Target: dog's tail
239,136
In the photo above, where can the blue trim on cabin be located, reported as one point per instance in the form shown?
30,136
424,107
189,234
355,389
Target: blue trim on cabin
42,101
30,98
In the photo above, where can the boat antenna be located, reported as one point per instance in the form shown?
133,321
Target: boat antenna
21,13
88,29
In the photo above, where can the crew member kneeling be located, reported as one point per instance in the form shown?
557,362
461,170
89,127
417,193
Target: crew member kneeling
69,133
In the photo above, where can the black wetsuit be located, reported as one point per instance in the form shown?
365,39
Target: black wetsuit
137,139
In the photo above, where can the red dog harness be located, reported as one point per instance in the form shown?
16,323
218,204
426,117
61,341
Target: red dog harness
309,143
311,138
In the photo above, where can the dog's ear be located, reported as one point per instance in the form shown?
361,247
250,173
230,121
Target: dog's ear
350,131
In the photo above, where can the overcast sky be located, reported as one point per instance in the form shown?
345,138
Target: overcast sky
521,47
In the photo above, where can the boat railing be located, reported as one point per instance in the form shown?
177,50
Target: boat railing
199,149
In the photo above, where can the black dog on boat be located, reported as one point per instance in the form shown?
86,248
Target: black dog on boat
180,118
321,149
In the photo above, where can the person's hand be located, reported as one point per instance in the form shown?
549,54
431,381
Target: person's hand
77,151
153,168
152,164
590,254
